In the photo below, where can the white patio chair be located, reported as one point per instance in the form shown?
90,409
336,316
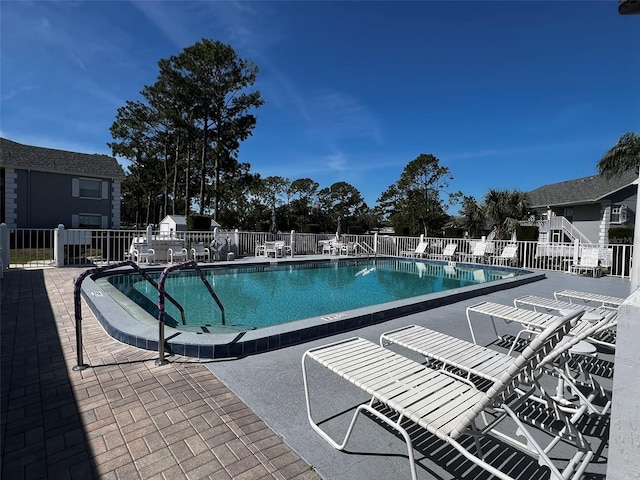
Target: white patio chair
200,252
260,250
348,248
589,262
446,406
177,252
142,253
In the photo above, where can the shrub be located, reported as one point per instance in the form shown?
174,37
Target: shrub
453,232
197,222
311,228
527,232
622,235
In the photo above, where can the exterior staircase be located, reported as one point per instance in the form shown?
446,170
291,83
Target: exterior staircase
560,230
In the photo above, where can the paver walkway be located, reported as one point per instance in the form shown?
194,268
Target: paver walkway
124,417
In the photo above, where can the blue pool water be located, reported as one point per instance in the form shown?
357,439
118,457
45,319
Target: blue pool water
263,295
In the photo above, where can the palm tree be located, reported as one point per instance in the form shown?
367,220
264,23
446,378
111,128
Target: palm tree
623,156
505,208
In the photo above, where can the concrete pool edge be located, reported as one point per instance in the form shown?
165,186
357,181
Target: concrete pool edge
122,326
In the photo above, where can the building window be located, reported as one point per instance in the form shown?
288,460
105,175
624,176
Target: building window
568,213
90,188
88,220
619,214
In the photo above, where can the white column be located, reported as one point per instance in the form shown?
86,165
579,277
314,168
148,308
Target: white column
59,241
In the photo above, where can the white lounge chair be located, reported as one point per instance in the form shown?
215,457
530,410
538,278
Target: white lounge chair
144,253
446,406
477,255
448,253
532,321
509,256
177,252
420,251
199,251
589,262
606,301
489,364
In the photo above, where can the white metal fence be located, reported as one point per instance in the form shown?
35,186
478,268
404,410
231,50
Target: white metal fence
37,248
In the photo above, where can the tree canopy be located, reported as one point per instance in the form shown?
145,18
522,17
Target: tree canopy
413,204
189,125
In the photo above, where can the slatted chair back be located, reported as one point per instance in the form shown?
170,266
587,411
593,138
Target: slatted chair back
526,367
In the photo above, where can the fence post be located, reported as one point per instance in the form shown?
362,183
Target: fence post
4,247
59,237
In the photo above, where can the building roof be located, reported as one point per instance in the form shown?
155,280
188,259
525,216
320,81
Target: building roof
26,157
580,191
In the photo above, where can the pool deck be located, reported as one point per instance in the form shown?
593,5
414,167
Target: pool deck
126,418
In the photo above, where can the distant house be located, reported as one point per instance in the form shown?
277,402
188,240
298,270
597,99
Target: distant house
177,223
43,187
585,208
171,224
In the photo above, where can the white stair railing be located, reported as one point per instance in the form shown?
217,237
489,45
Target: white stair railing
561,223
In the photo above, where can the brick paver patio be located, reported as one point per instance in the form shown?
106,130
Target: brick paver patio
124,417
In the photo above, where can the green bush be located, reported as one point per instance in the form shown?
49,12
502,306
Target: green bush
263,226
527,232
311,228
622,235
453,232
197,222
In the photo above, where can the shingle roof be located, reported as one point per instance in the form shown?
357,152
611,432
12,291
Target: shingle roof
27,157
581,190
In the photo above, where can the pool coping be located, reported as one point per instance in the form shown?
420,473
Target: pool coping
120,324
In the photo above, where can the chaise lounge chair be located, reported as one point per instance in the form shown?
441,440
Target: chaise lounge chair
446,406
509,256
477,255
531,320
420,251
553,305
604,300
489,364
448,253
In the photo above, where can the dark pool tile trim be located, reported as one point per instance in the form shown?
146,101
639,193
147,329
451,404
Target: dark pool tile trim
119,324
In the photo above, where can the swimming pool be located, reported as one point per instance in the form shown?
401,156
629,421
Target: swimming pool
271,305
264,295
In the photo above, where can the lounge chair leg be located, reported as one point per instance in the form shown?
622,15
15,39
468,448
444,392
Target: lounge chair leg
369,408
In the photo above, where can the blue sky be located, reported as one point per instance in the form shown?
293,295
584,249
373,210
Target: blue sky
505,94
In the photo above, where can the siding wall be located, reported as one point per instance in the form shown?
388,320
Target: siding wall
45,200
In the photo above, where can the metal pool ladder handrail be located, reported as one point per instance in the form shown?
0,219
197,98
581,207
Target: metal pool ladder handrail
78,304
77,284
161,294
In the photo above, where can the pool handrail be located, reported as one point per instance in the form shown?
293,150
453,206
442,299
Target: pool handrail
78,304
161,294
